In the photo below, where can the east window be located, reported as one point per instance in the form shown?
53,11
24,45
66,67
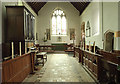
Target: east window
59,23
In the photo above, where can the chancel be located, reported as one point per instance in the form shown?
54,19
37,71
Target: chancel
61,41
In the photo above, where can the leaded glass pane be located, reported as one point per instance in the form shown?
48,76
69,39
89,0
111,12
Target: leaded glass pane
53,25
64,25
58,25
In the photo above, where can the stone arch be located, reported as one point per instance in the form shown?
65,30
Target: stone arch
83,35
109,40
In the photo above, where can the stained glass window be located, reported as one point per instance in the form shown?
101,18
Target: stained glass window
59,23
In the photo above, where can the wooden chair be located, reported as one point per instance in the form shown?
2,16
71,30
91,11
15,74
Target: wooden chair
42,56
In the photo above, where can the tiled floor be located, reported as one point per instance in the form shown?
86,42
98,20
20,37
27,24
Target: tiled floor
60,68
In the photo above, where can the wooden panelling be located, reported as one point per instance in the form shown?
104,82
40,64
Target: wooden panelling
6,50
102,65
78,53
91,62
19,21
109,72
17,11
15,70
116,51
0,52
118,60
109,56
15,23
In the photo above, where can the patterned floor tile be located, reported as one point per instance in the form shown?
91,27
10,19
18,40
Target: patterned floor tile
60,68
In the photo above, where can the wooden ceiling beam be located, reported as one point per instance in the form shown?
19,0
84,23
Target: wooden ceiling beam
42,6
29,3
36,6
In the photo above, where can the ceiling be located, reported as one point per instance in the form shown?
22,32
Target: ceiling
36,6
80,6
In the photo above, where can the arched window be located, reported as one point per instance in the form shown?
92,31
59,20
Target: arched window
59,23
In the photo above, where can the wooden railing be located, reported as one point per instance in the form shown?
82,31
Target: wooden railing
108,72
109,56
15,70
102,65
69,48
91,61
116,51
51,48
78,53
46,48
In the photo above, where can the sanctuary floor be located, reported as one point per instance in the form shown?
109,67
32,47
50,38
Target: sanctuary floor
60,68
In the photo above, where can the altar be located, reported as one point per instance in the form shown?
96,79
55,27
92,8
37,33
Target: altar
59,46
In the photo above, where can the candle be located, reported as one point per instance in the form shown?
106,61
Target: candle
25,47
12,50
20,48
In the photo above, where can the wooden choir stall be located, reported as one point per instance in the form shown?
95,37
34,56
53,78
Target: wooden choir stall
17,63
103,66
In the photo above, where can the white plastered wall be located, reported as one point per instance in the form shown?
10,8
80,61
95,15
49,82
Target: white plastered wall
44,21
92,14
107,13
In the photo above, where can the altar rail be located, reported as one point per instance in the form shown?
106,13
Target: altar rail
52,48
46,48
69,48
15,70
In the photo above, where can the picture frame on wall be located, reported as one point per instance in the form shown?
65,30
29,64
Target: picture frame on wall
48,34
72,34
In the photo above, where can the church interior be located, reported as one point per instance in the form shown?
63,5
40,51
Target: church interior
59,41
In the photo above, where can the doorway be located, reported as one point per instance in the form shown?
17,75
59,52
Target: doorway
109,41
